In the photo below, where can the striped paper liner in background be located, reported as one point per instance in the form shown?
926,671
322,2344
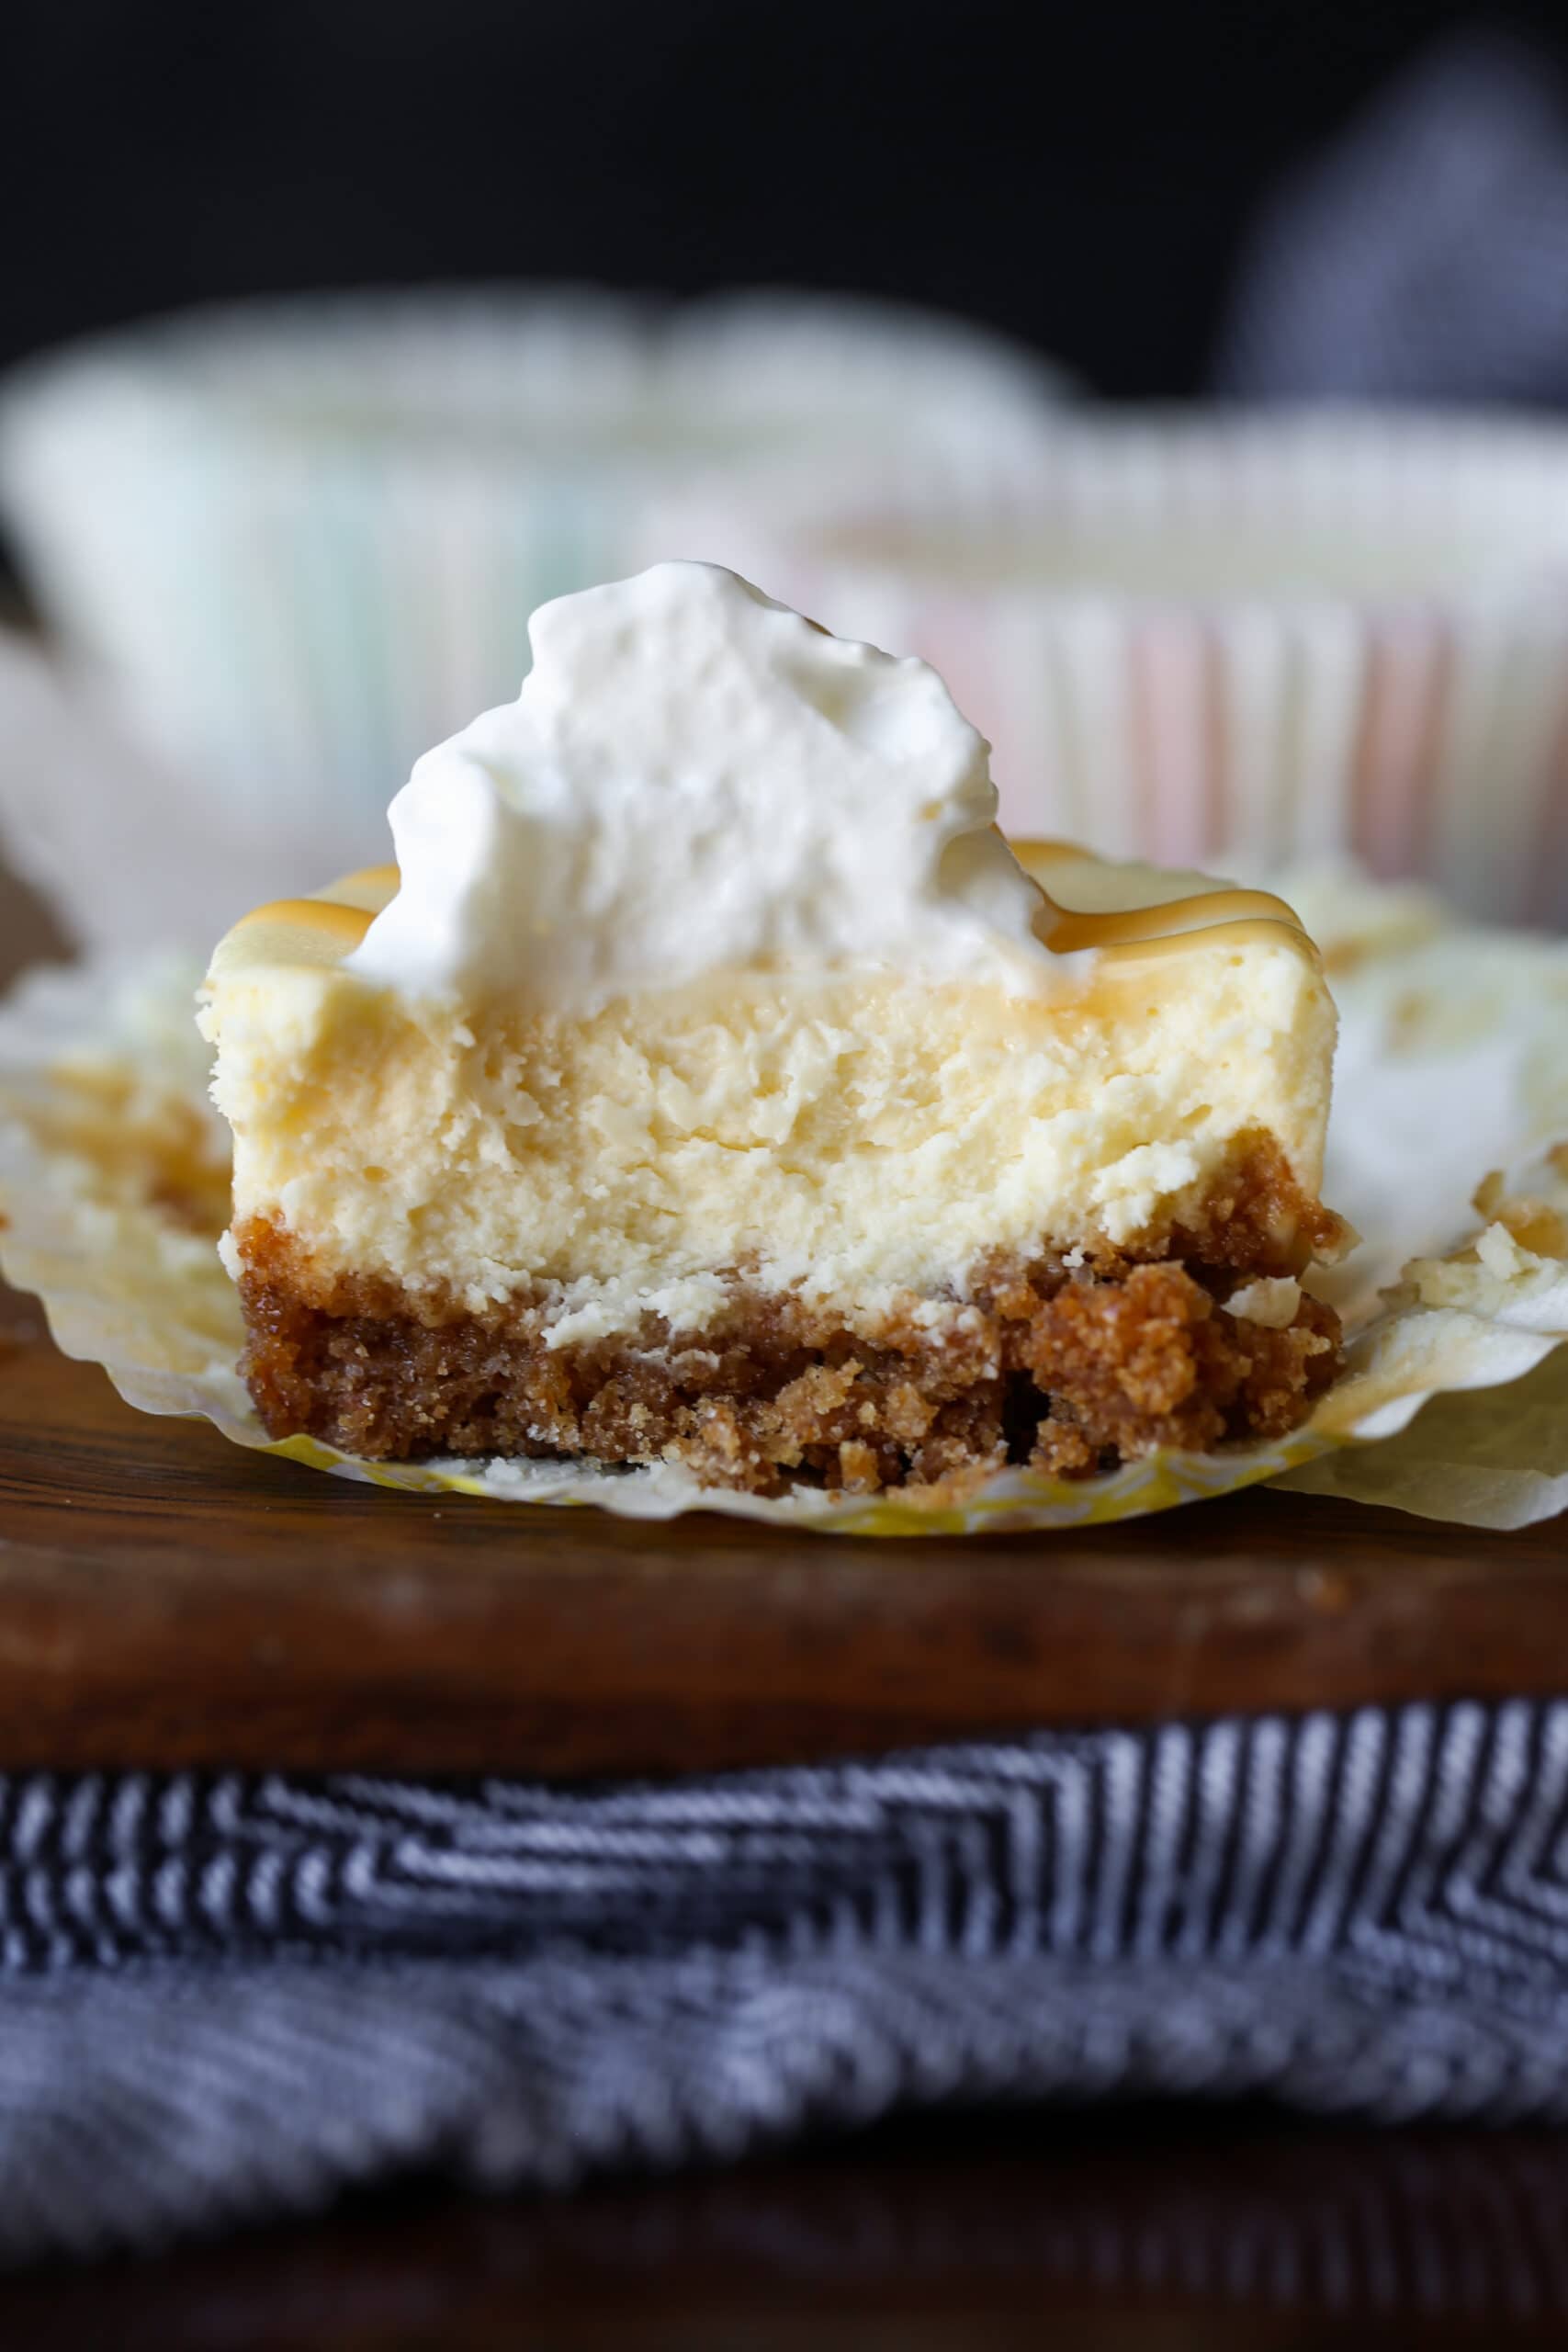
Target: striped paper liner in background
303,539
1238,642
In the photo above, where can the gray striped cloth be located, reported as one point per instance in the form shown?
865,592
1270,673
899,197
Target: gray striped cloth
231,1998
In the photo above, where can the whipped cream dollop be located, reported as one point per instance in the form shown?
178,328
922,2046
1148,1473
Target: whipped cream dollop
692,781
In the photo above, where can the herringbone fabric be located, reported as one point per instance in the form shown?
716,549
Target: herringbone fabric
233,1997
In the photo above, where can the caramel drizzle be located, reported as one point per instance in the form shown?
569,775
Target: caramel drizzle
345,926
337,918
382,879
1224,917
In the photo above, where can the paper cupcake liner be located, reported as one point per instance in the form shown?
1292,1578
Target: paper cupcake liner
124,849
1236,642
305,538
113,1174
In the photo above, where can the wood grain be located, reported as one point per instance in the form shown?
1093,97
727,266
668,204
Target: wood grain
168,1598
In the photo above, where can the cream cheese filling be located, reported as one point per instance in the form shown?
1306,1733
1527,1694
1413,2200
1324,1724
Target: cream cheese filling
854,1137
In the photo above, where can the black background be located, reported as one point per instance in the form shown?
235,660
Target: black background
1082,174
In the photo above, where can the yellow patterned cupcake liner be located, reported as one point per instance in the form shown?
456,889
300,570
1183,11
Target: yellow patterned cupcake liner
1454,1074
1013,1502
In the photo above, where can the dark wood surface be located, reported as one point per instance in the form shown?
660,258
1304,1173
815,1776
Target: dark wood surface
169,1599
30,932
1144,2231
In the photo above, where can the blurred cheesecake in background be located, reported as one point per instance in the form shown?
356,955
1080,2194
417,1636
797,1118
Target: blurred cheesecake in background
296,542
709,1084
301,539
1254,640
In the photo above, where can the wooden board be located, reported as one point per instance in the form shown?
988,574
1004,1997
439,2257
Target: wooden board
167,1599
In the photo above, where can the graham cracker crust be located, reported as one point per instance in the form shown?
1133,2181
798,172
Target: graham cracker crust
1071,1367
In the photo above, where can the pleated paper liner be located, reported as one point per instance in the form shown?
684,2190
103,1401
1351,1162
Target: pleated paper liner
1453,1083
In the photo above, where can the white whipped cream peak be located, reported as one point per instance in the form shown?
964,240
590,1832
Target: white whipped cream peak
695,781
